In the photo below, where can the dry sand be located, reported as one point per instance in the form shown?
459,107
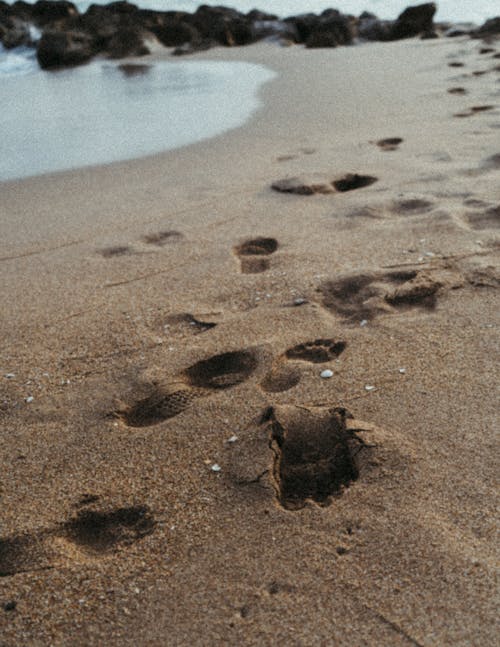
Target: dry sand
115,529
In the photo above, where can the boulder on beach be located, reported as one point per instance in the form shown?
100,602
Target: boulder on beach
13,32
414,20
333,29
47,11
59,49
490,28
128,42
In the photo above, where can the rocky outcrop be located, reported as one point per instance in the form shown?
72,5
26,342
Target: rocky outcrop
121,28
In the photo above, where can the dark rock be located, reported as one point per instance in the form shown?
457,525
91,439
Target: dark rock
333,30
257,16
372,28
176,32
414,21
304,25
196,46
47,11
59,49
127,42
14,32
489,28
275,28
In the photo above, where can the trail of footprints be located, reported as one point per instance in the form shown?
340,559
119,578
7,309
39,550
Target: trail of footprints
156,239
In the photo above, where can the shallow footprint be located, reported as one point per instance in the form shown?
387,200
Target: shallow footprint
317,352
160,238
118,250
389,144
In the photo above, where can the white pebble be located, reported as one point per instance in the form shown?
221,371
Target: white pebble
430,254
402,370
233,439
369,387
29,399
326,374
9,376
364,322
299,301
216,468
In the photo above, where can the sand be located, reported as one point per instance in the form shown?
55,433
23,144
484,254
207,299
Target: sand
174,469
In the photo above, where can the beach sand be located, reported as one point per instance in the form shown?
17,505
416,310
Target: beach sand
174,469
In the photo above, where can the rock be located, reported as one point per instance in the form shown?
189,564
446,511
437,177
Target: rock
14,32
59,49
372,28
334,29
303,25
489,28
222,25
47,11
127,42
196,46
414,21
429,35
176,32
278,29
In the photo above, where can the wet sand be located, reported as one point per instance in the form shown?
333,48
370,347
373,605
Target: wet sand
175,469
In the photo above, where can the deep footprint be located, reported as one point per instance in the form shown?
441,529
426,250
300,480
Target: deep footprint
315,455
252,254
317,352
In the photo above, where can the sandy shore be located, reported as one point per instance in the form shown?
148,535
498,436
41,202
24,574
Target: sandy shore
174,469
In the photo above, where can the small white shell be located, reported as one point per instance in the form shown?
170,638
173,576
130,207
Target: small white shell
369,387
326,374
216,468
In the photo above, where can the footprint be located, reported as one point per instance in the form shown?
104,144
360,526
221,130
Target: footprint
187,323
474,110
252,254
412,206
96,531
389,144
456,64
353,181
488,219
364,296
283,377
216,373
306,185
161,238
118,250
486,50
317,352
315,455
93,531
457,90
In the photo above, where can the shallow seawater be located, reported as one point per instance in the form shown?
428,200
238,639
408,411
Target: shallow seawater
105,112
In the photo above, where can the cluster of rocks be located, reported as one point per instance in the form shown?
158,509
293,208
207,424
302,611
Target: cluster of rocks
121,29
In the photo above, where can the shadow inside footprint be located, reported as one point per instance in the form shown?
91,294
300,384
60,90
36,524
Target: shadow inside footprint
315,455
317,352
160,238
222,371
252,254
118,250
353,181
457,90
389,144
412,206
97,531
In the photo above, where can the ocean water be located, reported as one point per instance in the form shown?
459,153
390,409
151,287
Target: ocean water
105,112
